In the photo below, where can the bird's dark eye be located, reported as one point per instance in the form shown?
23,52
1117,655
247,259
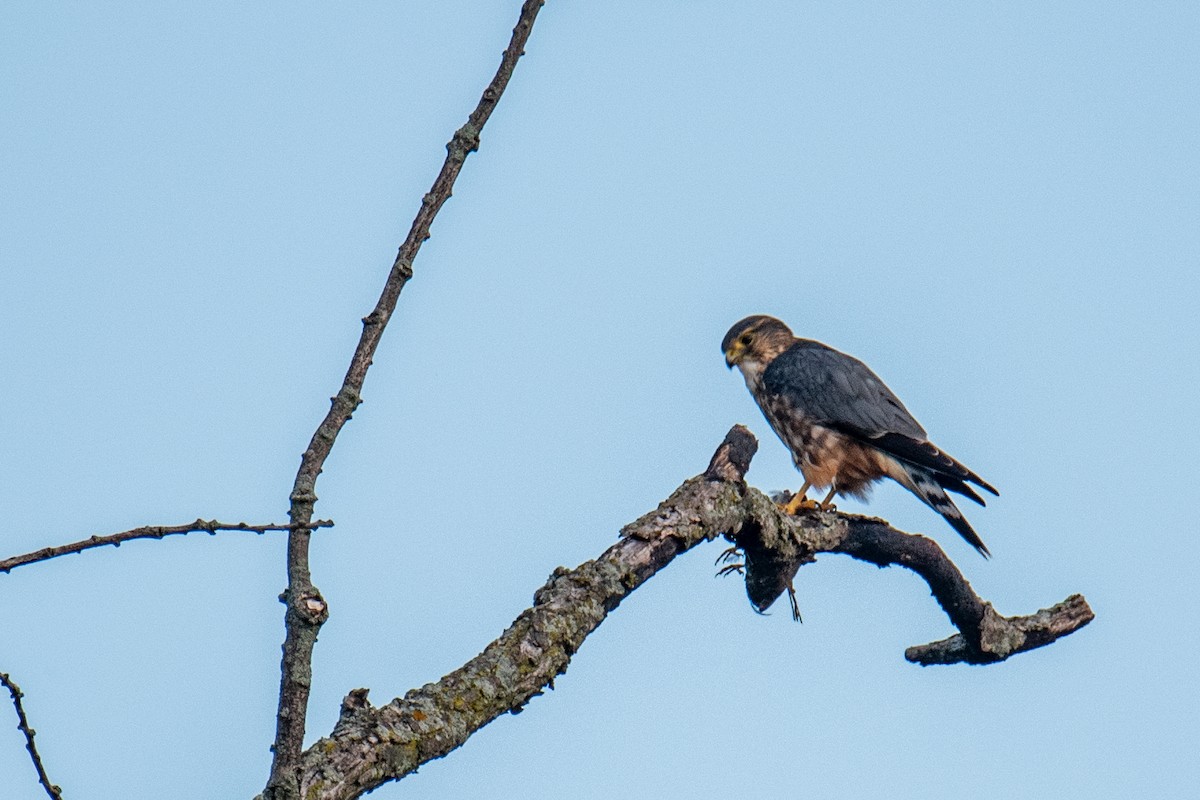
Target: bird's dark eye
746,339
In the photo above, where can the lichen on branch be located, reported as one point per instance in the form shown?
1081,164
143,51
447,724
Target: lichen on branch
370,745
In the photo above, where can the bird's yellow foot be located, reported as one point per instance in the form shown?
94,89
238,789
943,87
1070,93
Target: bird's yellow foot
827,503
798,503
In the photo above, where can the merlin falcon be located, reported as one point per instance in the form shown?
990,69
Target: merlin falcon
844,427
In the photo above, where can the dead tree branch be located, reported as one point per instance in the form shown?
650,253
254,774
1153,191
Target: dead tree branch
1024,633
306,608
775,546
146,532
370,745
53,791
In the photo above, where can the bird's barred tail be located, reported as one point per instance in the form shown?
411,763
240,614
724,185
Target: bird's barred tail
925,486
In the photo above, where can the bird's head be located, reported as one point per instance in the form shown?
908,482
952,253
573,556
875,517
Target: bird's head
755,341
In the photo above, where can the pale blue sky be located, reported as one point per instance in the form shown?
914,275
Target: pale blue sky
994,205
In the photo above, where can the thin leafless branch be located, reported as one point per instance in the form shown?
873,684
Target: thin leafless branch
145,532
53,791
370,746
306,608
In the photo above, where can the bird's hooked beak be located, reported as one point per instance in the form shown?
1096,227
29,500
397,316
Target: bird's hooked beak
735,353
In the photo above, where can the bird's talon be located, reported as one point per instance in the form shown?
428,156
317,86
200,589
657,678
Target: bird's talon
730,569
727,555
797,504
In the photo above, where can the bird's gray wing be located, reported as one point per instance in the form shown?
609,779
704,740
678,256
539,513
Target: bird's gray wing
840,392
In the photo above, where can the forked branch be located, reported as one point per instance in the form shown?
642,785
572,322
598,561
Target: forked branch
306,608
370,745
776,545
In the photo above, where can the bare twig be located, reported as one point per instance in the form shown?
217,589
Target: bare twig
306,608
145,532
53,791
370,746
